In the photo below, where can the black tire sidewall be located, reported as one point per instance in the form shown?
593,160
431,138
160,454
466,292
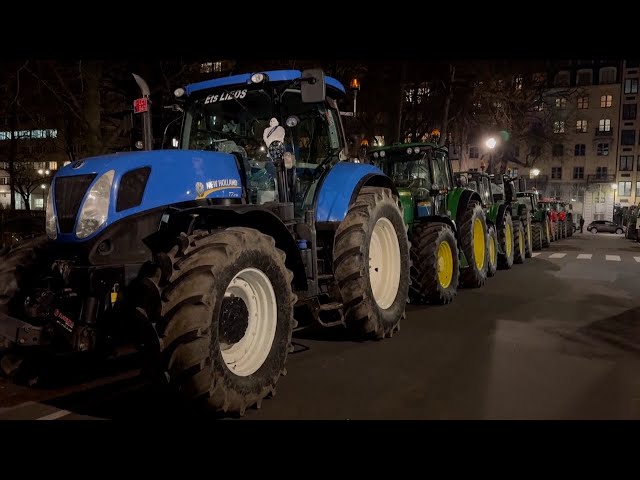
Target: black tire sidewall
268,264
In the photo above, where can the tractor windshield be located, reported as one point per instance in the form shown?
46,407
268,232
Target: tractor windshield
237,121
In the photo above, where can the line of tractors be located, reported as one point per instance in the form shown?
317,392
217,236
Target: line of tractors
207,257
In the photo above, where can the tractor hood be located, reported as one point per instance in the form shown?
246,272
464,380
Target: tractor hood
140,181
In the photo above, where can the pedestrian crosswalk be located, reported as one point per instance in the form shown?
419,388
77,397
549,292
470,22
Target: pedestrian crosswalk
584,256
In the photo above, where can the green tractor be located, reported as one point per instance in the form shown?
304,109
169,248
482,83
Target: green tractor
507,239
447,225
541,227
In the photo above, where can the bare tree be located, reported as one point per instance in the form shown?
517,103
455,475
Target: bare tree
28,180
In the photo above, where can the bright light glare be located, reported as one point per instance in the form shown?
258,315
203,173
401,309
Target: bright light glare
491,143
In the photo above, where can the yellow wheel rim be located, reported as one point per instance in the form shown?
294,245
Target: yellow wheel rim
508,238
521,244
445,265
478,243
548,231
529,235
492,250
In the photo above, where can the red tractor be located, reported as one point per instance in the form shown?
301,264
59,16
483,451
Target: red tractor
561,221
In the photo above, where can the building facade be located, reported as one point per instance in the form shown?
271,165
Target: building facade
627,178
577,162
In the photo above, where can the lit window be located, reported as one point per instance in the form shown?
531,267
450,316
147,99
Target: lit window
561,103
558,126
217,66
604,125
606,101
583,103
631,85
624,189
206,67
581,126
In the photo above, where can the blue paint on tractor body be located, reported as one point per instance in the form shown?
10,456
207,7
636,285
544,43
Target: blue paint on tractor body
338,188
245,79
173,178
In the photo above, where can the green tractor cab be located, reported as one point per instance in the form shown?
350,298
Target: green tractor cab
541,223
447,225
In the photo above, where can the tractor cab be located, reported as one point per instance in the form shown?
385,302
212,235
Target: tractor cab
283,128
478,182
421,172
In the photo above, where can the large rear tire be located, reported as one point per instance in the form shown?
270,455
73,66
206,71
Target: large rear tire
537,236
507,244
528,237
435,266
519,242
493,251
371,263
222,305
546,233
473,240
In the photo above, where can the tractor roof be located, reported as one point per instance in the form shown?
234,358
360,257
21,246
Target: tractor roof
245,79
404,146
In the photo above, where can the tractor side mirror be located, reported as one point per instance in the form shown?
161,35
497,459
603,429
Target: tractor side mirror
313,88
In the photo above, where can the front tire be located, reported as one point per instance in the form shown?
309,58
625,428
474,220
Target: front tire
371,263
435,266
473,238
619,231
224,317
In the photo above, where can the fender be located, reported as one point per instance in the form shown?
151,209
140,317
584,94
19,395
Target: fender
257,217
341,186
502,209
440,219
458,200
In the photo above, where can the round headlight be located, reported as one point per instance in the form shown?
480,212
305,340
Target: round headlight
178,92
375,155
409,150
382,154
416,150
257,78
292,121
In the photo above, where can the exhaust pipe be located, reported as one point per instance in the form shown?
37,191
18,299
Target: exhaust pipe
147,132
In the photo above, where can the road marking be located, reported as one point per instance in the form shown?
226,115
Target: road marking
55,415
535,254
585,256
613,258
637,259
557,255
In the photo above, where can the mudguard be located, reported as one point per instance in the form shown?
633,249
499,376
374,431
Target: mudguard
458,199
340,187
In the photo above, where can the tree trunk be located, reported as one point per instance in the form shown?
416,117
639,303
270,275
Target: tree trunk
403,76
27,205
447,102
92,77
13,144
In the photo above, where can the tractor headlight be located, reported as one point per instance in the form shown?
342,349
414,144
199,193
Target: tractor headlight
96,207
51,220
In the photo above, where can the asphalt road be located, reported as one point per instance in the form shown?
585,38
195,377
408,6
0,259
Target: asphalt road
555,338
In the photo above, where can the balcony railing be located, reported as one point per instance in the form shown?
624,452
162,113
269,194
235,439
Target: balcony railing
604,133
601,178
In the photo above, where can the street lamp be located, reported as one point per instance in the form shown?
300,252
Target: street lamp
535,172
491,143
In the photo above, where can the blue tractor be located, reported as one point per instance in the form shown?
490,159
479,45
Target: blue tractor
200,255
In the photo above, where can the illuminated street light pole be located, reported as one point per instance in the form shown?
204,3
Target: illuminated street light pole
614,187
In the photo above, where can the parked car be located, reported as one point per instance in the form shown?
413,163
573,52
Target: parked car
604,226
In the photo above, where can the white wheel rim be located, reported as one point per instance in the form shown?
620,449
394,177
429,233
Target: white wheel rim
248,354
384,263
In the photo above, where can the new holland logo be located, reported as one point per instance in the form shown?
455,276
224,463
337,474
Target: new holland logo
77,164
